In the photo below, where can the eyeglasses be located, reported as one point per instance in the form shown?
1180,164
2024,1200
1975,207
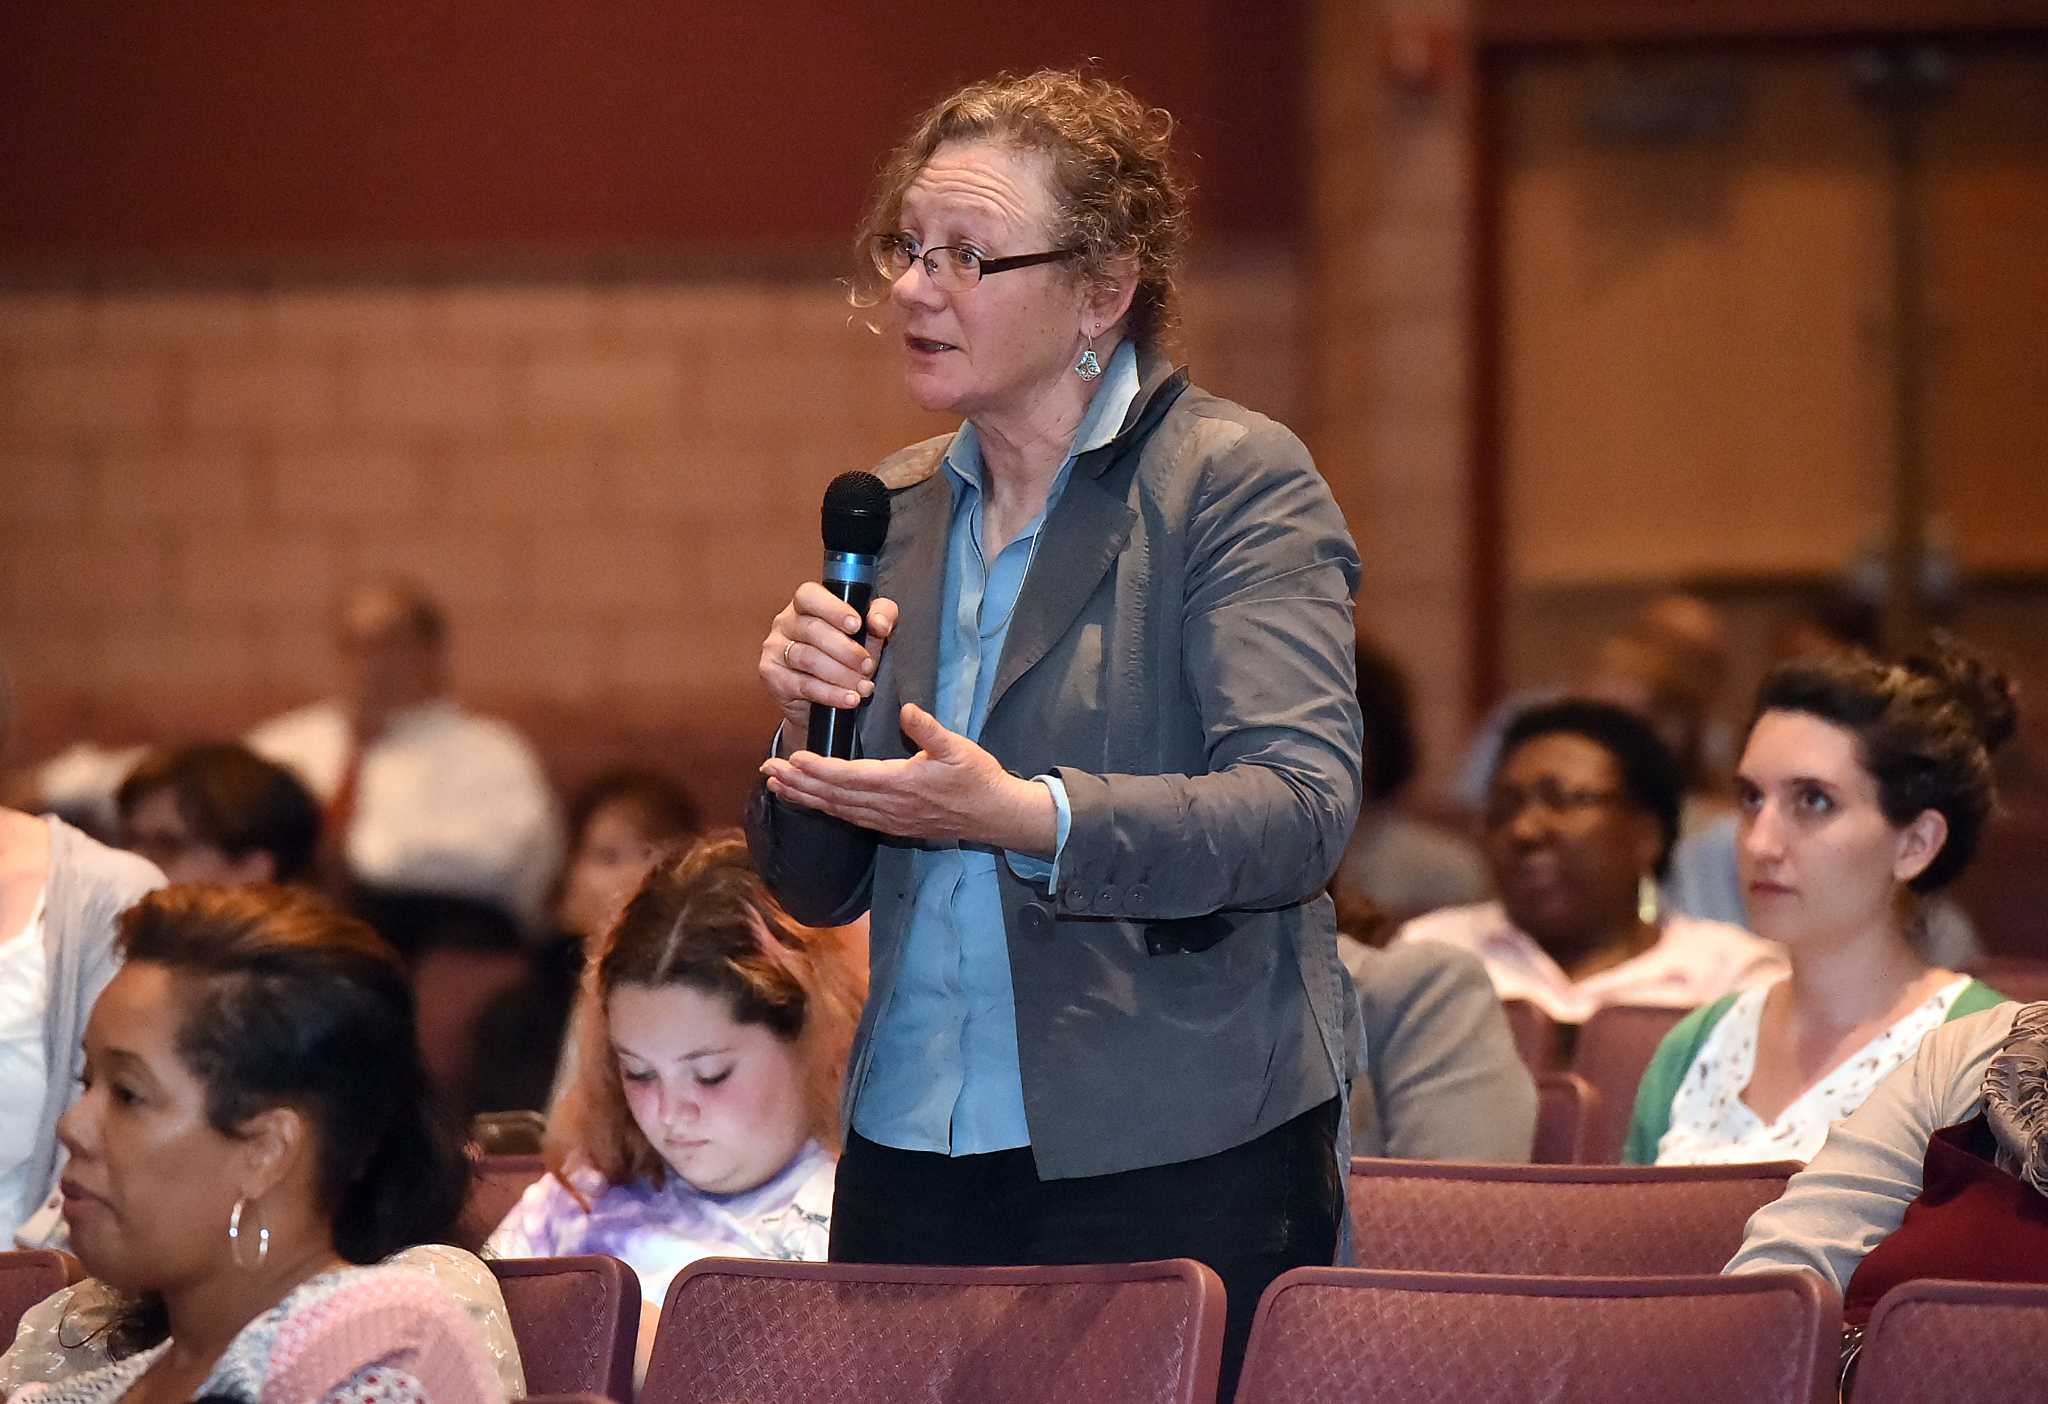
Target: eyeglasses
1505,805
949,266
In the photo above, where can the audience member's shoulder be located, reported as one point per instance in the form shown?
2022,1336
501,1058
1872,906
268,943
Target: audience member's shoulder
470,1281
1461,926
1421,972
1408,963
814,1192
493,734
340,1323
443,1262
115,876
1971,1038
573,1193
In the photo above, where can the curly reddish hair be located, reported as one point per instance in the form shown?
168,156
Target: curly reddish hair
1113,180
707,921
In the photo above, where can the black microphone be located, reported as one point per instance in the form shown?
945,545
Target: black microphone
856,522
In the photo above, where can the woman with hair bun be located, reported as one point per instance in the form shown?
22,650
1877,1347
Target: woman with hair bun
701,1118
256,1165
1864,787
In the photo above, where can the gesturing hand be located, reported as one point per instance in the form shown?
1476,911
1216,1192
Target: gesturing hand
951,791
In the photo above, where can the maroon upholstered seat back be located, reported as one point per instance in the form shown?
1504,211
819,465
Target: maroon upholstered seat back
453,985
575,1320
1958,1342
28,1277
563,1399
1567,1110
1535,1034
847,1333
500,1180
1613,1048
1427,1338
2023,980
1563,1220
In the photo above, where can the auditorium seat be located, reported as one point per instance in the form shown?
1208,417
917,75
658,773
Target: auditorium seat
508,1132
453,984
1567,1109
1613,1048
1565,1220
28,1277
1340,1334
2023,980
499,1181
1958,1342
848,1333
575,1320
563,1399
1535,1034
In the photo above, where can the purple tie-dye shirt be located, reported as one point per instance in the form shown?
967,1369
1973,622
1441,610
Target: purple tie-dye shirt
658,1230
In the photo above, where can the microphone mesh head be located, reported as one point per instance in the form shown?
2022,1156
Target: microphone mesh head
856,514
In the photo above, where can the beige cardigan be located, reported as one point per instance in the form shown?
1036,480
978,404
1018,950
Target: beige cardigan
1854,1192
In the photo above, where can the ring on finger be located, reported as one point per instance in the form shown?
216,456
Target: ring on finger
785,655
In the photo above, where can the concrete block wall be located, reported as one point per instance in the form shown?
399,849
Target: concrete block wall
612,484
1389,390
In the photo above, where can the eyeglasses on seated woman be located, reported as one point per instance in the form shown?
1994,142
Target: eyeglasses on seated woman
1580,817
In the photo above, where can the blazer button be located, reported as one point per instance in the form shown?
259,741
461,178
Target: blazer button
1140,897
1107,901
1035,919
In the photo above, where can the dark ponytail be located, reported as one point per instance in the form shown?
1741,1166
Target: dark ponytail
297,1004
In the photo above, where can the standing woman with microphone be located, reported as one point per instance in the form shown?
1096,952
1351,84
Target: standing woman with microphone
1110,752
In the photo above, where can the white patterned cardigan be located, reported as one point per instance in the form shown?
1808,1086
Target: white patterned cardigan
355,1335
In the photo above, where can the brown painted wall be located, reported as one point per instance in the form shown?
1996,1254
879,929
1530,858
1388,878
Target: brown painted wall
351,128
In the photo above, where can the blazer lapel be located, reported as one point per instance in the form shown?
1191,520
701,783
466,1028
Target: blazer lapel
913,577
1082,539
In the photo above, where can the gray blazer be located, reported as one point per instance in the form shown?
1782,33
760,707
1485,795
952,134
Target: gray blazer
1181,657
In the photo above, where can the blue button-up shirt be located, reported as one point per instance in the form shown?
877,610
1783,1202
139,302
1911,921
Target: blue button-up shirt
943,1073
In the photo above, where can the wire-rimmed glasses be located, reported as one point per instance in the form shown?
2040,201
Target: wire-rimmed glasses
953,267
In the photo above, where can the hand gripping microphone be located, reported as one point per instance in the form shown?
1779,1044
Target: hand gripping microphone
856,522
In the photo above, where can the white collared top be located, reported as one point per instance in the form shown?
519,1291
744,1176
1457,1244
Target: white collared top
1694,962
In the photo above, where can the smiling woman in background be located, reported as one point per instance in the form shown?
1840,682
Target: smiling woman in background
1580,817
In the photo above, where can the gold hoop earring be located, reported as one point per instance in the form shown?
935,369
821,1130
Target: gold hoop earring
262,1236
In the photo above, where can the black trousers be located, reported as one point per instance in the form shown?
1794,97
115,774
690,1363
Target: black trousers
1250,1212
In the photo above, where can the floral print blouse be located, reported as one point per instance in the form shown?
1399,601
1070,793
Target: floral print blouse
1712,1125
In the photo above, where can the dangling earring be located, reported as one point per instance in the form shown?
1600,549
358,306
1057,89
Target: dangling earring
235,1249
1649,902
1088,368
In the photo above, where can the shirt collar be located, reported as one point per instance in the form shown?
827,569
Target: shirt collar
1105,417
